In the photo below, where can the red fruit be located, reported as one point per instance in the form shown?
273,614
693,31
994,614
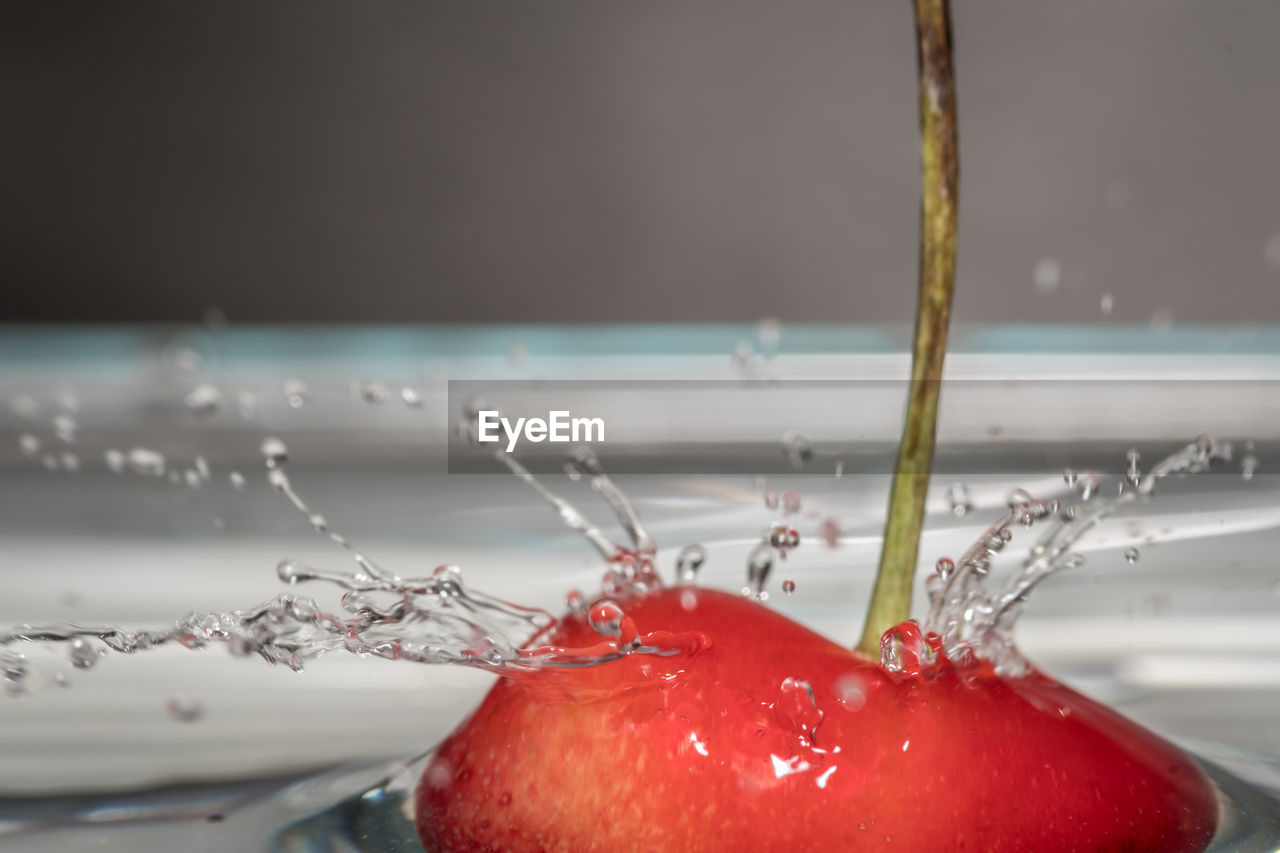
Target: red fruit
724,749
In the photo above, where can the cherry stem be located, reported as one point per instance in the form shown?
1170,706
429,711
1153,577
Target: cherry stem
939,167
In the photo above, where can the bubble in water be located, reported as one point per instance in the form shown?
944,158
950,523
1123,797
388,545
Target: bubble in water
29,445
1070,476
791,502
373,392
297,393
184,708
1048,275
145,461
204,401
411,397
960,499
82,653
115,460
1248,466
688,562
799,451
65,428
789,586
831,532
606,619
70,461
1107,304
1131,555
237,480
759,565
274,452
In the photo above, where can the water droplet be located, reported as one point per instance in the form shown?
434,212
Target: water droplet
65,427
184,708
29,445
13,665
237,480
1107,304
688,562
789,586
297,393
799,451
744,358
70,461
759,565
82,653
1048,275
147,462
839,468
1070,476
25,406
769,333
831,532
318,522
204,401
1161,320
1087,485
1131,555
274,452
783,538
517,352
1133,473
373,392
49,461
791,502
944,567
960,499
606,619
1271,252
247,405
202,467
411,397
1248,466
115,460
192,478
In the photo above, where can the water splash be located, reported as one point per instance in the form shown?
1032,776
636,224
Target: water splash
435,619
968,617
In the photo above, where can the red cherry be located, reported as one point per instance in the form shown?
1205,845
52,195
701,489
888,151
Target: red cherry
763,735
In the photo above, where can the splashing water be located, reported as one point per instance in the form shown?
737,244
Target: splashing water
433,619
969,618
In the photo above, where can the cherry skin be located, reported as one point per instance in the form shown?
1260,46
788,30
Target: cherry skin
763,735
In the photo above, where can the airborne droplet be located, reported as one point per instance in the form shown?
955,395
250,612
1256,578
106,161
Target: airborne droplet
688,562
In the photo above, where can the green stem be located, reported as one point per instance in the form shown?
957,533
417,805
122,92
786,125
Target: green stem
939,162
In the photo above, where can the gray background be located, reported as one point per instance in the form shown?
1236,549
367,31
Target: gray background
585,161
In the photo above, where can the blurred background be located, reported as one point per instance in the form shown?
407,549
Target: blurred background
665,161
